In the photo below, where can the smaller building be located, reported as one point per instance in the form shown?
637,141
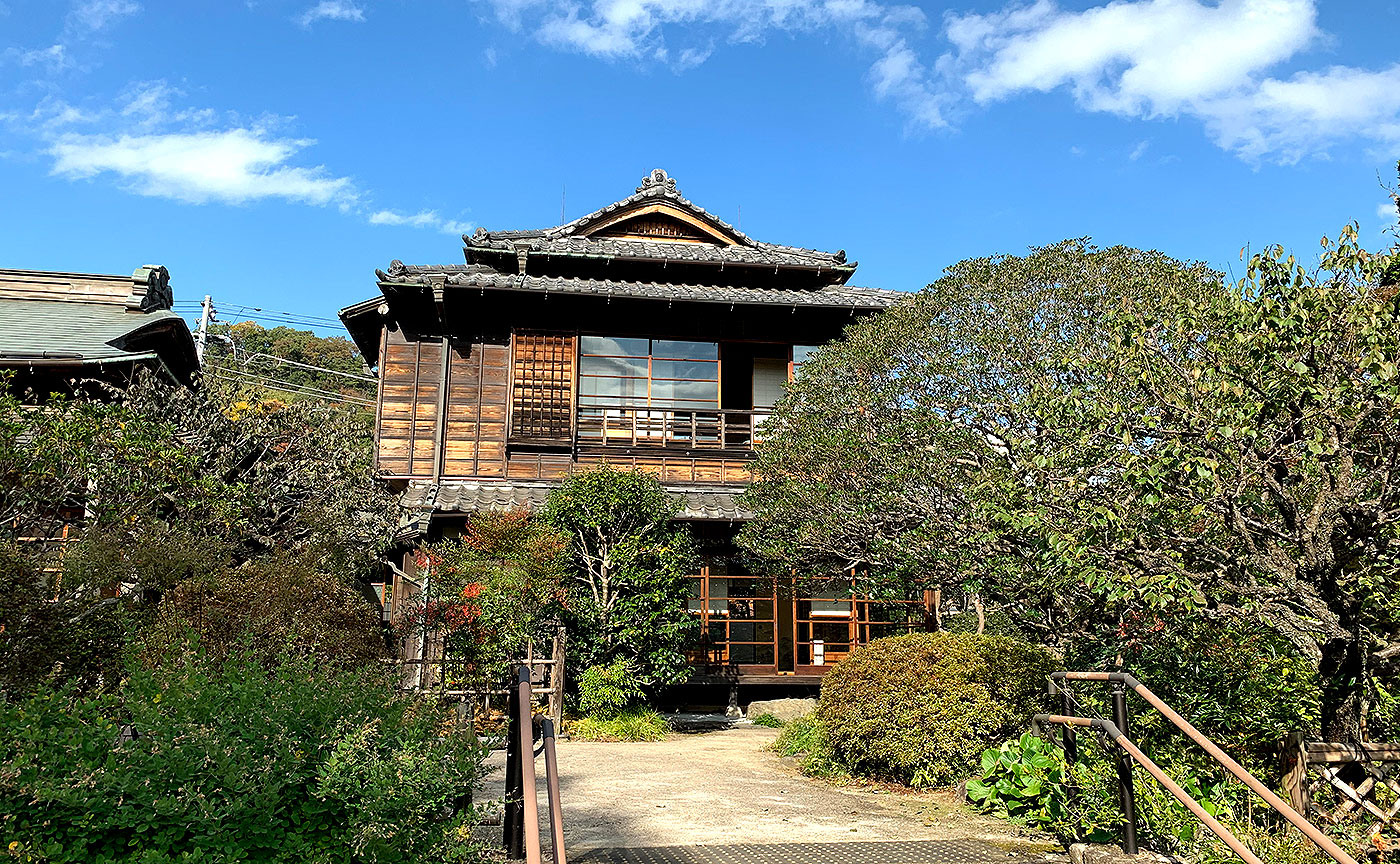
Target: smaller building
63,332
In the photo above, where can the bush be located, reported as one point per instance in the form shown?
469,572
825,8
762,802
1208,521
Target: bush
632,724
234,762
605,692
277,604
919,708
768,721
806,741
995,623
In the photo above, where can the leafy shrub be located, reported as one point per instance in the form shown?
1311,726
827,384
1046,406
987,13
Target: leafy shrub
806,741
277,604
919,708
767,720
631,724
1023,779
606,691
234,761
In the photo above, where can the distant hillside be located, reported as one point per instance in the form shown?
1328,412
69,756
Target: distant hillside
248,356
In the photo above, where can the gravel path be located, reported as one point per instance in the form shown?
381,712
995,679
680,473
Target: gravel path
726,787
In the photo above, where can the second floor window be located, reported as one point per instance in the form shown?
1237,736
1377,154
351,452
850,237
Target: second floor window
620,372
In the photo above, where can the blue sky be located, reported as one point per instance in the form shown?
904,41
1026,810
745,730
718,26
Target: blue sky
273,153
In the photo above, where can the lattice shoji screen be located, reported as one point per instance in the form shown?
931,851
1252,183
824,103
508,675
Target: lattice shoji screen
542,383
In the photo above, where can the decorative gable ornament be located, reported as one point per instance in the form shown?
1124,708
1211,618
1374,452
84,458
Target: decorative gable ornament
150,289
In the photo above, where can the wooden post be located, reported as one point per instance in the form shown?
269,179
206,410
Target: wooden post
1295,771
556,681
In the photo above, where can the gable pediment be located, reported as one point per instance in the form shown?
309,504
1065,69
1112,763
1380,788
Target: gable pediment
659,221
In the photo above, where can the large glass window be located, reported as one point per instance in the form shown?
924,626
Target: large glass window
656,373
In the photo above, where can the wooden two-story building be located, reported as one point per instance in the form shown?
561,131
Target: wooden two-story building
649,335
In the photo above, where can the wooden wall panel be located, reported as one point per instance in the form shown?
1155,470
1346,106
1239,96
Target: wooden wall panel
477,391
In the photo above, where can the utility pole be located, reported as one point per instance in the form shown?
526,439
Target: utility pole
201,336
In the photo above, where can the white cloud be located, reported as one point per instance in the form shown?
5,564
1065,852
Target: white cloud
1139,150
1181,58
421,219
646,30
1386,210
97,14
55,57
230,166
1219,62
332,10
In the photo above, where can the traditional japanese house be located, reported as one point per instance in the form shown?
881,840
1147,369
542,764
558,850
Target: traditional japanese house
648,335
74,332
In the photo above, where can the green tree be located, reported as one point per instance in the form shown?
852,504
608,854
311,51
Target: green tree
903,450
1093,433
162,487
498,584
630,563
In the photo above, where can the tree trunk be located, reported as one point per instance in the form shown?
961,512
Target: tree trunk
1343,677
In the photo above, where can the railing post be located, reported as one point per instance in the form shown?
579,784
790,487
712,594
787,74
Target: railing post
551,779
1126,799
529,802
513,836
1071,748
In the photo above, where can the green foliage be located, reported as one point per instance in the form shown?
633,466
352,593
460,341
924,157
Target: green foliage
1239,682
273,606
605,692
805,740
234,762
997,623
1029,781
1085,435
633,724
767,721
1024,779
919,708
630,562
161,488
498,584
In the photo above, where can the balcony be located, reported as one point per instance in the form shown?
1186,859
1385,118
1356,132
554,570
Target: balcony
669,428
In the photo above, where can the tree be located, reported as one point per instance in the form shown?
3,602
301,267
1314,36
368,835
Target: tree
902,450
630,563
1095,433
500,583
164,486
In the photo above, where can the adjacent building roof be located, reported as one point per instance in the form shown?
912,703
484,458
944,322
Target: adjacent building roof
469,496
94,322
479,276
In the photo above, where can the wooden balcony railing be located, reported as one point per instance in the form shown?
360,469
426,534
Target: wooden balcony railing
659,427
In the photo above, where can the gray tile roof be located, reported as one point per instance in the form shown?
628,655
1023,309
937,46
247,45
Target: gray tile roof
57,330
759,254
480,276
467,496
566,239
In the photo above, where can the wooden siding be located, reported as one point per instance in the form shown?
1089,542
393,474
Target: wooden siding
478,392
410,374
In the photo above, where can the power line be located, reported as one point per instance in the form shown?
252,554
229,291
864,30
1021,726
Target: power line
285,386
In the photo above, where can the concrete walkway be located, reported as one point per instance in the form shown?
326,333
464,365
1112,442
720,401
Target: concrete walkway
727,798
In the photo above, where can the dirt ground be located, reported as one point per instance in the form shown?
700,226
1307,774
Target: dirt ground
727,788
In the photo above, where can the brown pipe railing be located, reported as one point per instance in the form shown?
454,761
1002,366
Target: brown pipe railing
1109,728
522,816
1298,820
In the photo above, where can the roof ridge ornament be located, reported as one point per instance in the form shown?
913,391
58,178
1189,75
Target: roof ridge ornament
660,181
150,289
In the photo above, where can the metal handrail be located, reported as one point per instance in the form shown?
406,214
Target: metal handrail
1109,728
1298,820
521,837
